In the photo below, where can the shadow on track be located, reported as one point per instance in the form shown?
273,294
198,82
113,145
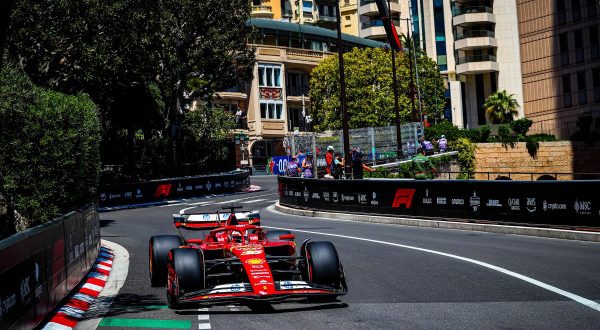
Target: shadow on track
105,223
123,304
267,308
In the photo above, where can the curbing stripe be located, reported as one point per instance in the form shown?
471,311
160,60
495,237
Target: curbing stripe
492,228
73,310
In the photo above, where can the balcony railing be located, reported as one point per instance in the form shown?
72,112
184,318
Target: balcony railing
376,23
368,2
261,9
326,18
474,34
476,58
471,10
296,90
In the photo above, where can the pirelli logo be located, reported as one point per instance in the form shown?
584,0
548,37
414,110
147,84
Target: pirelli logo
403,197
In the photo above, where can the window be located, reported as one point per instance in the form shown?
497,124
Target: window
347,20
594,42
596,83
271,109
566,86
576,7
581,87
563,41
561,12
269,75
579,46
591,8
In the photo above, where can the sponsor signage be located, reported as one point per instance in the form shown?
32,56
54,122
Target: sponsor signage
559,202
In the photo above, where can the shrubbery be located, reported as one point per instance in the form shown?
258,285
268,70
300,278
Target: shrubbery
49,148
454,133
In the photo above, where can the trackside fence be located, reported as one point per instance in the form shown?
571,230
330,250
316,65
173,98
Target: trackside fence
40,266
174,188
564,203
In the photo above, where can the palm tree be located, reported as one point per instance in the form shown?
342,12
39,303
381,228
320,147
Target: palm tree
501,107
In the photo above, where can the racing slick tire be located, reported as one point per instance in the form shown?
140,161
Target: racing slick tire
158,254
323,264
273,235
185,274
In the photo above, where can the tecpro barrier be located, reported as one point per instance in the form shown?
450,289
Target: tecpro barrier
175,188
40,266
569,203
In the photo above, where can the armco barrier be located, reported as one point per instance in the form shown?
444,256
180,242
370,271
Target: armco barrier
157,190
39,267
569,203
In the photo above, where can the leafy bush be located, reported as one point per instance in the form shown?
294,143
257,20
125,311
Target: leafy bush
521,126
466,157
49,152
484,133
504,132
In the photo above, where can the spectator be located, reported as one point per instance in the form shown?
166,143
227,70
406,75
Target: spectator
329,160
338,166
358,167
293,169
443,144
426,147
423,167
307,166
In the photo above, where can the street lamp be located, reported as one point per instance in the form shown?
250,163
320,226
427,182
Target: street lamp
412,59
345,127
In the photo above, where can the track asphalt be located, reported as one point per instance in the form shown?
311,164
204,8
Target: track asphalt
390,286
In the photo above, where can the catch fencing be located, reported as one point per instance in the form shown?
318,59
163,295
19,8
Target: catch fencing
40,266
563,203
378,144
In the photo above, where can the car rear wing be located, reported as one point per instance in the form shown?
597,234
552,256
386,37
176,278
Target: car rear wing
208,221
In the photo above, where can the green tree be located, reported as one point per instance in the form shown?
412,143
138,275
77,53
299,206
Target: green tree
49,156
501,107
370,97
141,61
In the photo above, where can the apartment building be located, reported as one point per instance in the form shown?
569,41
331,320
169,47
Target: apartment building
476,46
275,103
323,13
371,26
560,61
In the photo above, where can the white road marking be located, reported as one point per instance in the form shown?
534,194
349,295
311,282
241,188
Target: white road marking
200,203
221,203
254,201
584,301
173,204
203,319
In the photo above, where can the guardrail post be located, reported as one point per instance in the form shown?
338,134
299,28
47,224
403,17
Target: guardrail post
372,136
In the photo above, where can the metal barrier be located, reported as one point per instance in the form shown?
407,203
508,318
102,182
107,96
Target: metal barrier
157,190
569,203
40,266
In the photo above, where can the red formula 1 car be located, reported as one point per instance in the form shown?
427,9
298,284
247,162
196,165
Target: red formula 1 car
237,261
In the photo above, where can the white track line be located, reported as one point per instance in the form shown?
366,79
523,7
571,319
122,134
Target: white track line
203,319
584,301
254,201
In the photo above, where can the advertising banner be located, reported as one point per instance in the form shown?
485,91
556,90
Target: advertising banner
39,266
175,188
569,203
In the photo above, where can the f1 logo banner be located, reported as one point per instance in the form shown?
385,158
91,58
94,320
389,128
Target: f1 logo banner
163,190
403,197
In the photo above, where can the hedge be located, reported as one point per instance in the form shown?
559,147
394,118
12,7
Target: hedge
49,147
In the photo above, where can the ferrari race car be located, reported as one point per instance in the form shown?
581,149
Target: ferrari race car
238,261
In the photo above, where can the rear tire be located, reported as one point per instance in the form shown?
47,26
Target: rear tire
186,274
158,254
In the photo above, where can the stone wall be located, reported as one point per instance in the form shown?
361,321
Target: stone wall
552,159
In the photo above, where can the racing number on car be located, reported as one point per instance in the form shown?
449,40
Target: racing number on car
403,197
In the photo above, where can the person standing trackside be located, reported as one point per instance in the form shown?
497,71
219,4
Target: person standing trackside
443,144
358,167
293,169
307,166
426,146
329,160
338,166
